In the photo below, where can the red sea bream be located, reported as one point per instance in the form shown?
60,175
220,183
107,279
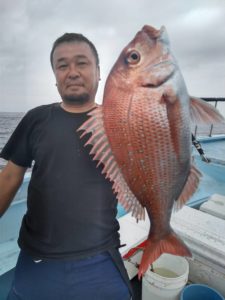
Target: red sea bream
141,133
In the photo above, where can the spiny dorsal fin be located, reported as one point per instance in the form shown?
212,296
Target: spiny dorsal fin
103,153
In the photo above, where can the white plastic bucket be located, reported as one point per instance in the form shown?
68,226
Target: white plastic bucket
168,286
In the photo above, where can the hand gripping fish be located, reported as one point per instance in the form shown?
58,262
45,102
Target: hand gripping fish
141,134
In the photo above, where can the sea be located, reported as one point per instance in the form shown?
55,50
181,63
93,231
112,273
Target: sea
9,121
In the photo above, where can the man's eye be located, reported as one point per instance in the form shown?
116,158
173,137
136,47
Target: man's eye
62,66
82,63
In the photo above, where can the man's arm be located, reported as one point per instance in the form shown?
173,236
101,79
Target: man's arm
11,178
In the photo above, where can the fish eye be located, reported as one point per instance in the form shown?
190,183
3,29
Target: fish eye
133,57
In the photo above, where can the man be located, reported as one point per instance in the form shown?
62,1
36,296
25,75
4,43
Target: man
69,235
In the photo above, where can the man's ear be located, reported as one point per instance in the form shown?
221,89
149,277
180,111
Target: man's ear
99,76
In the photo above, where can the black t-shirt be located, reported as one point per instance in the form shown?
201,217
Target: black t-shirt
71,210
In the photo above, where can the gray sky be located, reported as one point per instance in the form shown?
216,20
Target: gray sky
196,29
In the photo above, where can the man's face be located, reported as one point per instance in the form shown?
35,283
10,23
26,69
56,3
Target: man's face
76,72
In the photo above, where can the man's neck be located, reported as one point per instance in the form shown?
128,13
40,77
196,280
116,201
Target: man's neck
77,108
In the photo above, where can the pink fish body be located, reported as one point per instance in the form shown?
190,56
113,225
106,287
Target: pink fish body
142,135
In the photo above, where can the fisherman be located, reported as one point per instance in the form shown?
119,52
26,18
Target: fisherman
69,237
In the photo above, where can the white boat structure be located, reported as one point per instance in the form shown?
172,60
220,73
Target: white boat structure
202,232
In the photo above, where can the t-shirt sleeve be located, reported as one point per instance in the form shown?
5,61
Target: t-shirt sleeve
18,149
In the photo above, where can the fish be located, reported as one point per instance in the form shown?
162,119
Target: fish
142,135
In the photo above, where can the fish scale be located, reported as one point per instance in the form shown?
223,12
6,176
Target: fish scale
142,137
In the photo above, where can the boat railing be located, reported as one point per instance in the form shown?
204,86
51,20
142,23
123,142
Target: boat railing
215,101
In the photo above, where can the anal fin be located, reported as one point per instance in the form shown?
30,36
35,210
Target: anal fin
190,187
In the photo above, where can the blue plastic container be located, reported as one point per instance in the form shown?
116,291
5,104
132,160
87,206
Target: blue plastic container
200,292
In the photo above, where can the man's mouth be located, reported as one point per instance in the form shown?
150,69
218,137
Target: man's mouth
74,85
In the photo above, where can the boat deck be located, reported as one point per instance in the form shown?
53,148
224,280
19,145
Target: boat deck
214,148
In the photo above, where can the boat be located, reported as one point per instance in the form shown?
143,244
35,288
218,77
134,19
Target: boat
200,223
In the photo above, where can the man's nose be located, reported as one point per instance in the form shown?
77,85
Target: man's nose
73,72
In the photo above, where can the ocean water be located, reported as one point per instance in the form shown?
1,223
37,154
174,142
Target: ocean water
8,122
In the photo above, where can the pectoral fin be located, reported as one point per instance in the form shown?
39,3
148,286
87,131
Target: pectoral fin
173,110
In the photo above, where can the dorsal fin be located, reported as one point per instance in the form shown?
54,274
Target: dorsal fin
203,113
103,153
190,187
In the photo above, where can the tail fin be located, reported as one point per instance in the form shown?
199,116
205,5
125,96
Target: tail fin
154,248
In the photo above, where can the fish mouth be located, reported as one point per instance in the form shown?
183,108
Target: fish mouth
152,32
156,34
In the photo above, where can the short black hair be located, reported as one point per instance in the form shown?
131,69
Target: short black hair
73,37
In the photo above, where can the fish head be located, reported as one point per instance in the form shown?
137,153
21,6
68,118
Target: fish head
145,62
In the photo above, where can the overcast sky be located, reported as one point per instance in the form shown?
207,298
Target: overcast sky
196,29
